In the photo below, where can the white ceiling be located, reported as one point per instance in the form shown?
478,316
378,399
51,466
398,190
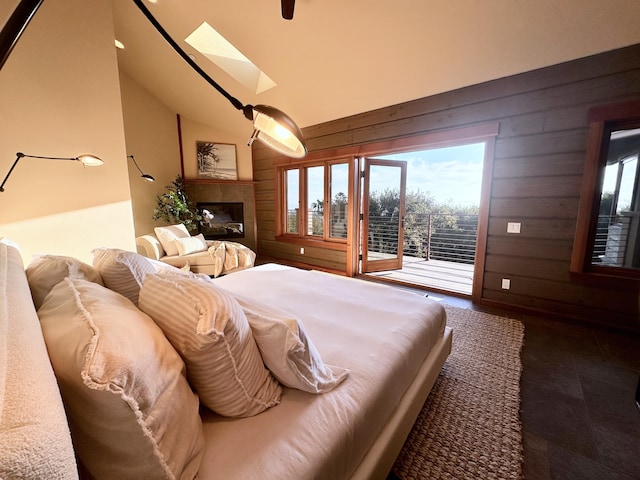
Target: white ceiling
342,57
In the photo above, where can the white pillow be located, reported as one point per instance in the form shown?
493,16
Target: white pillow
122,271
46,271
208,328
131,411
167,235
189,245
287,351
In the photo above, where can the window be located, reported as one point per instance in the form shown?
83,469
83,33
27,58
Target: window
339,198
608,229
316,198
293,200
315,201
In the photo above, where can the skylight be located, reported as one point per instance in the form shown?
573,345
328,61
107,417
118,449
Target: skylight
206,40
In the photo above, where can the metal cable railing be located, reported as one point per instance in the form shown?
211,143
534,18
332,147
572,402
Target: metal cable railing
612,234
438,236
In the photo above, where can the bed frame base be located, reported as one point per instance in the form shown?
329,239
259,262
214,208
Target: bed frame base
380,458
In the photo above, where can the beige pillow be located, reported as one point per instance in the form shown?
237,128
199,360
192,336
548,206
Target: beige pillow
122,271
167,235
189,245
131,411
46,271
287,351
207,326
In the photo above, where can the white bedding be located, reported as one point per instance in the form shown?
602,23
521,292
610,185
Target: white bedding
381,334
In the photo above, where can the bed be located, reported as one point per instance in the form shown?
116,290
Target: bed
131,406
394,343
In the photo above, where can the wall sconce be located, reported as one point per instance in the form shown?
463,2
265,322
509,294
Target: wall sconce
272,126
146,176
86,160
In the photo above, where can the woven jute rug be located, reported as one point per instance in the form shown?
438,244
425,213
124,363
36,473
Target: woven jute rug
469,427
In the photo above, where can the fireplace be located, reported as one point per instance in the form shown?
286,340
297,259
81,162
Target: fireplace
221,220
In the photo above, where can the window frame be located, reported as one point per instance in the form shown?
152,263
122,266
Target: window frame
602,121
303,237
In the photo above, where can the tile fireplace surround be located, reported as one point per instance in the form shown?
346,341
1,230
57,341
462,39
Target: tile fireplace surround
220,191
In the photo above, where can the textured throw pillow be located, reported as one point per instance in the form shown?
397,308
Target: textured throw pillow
122,271
287,351
131,411
167,235
189,245
46,271
208,328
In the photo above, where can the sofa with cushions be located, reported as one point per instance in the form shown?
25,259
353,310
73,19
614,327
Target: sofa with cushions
137,348
174,245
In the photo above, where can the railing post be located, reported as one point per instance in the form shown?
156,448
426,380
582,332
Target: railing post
428,237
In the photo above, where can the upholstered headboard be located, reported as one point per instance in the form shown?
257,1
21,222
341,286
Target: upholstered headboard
35,442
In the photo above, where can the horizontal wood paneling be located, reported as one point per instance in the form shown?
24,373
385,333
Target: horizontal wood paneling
569,163
563,292
518,246
533,186
536,178
533,207
548,269
541,228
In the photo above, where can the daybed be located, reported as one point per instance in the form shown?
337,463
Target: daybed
378,351
175,246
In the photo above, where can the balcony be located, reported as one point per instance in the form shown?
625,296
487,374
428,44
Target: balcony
438,250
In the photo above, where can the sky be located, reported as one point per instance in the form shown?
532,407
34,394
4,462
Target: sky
453,173
625,194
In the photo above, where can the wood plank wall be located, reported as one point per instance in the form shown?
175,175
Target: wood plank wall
537,174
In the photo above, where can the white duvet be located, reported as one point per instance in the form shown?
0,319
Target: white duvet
381,334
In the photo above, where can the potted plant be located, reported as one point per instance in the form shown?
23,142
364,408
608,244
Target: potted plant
174,207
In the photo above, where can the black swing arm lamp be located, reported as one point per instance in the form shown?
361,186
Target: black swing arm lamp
272,126
86,159
146,176
15,25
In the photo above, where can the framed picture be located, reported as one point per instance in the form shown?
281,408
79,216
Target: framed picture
217,160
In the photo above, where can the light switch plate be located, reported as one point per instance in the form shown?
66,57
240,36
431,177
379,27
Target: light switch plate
513,227
506,284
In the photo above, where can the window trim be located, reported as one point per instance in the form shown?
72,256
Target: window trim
281,234
601,120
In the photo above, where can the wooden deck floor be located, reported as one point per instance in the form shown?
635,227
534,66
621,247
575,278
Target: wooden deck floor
436,274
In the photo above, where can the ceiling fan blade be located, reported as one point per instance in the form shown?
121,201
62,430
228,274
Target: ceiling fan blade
287,9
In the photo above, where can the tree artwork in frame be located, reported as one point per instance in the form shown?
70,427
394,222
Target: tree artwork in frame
217,160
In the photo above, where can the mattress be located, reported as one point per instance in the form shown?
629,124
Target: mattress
380,333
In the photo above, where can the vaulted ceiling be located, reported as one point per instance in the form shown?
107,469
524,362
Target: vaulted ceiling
342,57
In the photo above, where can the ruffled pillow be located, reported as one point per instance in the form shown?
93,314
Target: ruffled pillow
131,411
45,271
207,326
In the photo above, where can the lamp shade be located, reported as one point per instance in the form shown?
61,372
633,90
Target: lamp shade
90,160
143,175
277,130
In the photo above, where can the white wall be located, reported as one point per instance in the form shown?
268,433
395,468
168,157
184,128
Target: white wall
60,96
151,131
